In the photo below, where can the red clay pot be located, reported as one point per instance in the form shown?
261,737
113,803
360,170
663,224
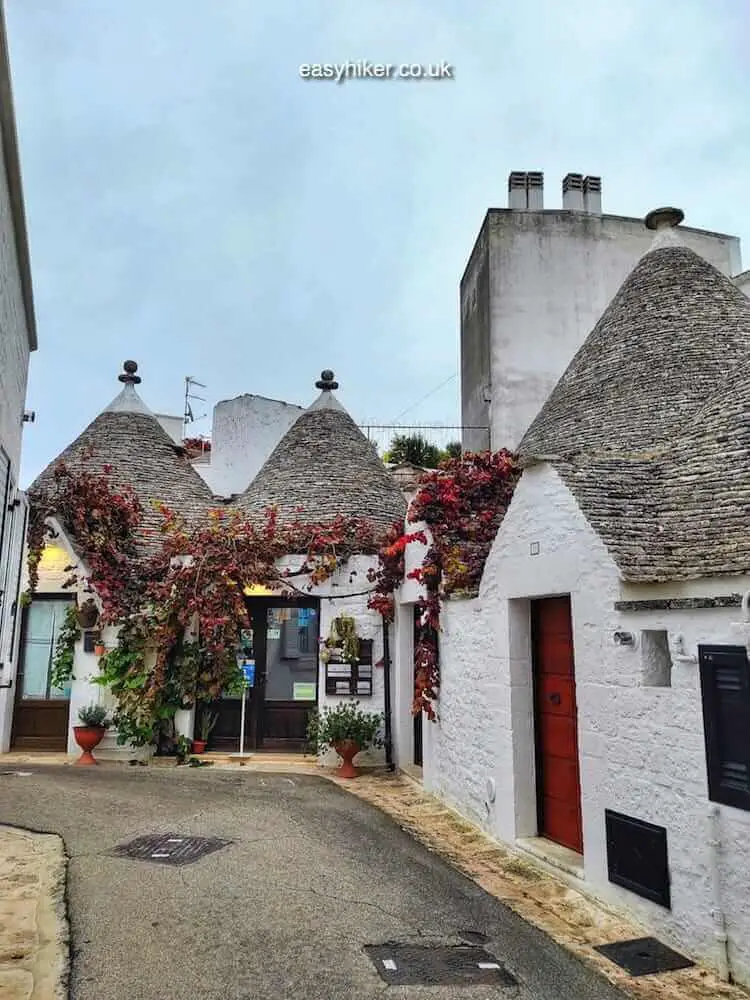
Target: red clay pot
88,737
347,751
199,746
100,649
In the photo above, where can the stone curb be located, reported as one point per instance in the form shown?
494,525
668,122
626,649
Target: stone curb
34,931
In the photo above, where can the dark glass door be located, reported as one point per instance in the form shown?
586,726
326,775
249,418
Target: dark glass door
289,675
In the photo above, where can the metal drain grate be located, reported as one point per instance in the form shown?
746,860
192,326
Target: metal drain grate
644,956
169,848
417,965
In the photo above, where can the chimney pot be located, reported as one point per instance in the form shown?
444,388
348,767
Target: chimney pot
535,191
592,195
572,192
664,218
517,190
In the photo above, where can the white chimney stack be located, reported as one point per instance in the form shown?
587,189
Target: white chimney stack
517,190
592,195
572,192
535,191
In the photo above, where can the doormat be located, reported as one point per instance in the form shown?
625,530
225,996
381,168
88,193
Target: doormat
419,965
169,848
644,956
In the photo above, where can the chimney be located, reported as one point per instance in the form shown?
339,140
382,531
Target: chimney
517,190
592,195
664,223
572,192
535,191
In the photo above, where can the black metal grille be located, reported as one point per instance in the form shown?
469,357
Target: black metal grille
644,956
419,965
169,848
637,857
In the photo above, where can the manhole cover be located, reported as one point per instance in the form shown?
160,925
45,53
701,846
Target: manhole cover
169,848
644,956
417,965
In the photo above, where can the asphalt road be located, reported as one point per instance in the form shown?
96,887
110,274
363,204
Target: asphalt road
311,877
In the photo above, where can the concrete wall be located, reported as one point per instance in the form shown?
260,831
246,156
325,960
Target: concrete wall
172,425
245,432
14,367
743,282
541,280
641,747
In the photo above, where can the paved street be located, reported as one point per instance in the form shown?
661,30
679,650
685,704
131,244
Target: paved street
311,877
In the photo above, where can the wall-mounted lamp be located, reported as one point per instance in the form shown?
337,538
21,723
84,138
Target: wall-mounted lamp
29,416
624,639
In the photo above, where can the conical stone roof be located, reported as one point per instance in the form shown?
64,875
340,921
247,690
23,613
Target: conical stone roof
323,467
676,327
648,425
127,437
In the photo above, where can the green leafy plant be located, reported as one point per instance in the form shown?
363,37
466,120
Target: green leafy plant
67,637
183,749
342,635
344,722
207,722
94,716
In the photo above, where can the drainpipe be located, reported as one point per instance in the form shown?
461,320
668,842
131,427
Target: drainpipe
387,696
720,928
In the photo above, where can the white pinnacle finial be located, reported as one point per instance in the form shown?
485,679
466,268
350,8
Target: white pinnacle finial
664,222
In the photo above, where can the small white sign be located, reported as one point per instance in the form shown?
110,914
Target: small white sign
488,965
389,964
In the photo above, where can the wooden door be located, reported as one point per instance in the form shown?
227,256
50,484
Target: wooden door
288,676
40,719
558,776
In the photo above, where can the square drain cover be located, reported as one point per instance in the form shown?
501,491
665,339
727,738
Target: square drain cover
169,848
417,965
644,956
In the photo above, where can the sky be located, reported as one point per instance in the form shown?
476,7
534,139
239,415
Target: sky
196,205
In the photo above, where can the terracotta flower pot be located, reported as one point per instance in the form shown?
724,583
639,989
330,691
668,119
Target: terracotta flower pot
100,649
199,746
347,751
88,737
87,614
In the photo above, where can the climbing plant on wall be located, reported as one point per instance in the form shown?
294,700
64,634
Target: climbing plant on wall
178,608
463,503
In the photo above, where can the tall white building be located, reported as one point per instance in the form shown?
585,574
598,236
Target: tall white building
536,282
17,340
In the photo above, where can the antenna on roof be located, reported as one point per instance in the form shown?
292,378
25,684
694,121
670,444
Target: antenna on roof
189,416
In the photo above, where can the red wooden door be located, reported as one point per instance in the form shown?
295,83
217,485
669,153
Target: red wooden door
558,777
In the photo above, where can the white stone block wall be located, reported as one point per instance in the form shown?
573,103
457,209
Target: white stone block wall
245,431
641,748
14,366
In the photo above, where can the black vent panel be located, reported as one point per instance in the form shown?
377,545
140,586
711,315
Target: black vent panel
637,857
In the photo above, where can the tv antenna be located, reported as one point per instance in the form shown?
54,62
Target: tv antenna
189,417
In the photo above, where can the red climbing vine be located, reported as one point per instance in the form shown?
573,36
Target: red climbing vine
462,503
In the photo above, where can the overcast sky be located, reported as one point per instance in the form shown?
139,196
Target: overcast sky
197,206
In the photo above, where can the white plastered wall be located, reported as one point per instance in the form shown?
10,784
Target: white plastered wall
641,747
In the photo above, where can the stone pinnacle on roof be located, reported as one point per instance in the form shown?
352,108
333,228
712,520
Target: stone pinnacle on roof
324,467
128,400
127,437
664,222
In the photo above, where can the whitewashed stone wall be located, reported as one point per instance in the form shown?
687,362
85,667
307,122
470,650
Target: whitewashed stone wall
641,747
14,366
245,431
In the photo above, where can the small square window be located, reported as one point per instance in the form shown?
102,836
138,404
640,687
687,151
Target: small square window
656,660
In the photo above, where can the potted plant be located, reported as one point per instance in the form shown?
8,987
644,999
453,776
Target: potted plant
207,723
99,648
88,614
347,729
89,734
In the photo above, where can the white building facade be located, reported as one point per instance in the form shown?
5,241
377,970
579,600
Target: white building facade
536,282
594,704
17,341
